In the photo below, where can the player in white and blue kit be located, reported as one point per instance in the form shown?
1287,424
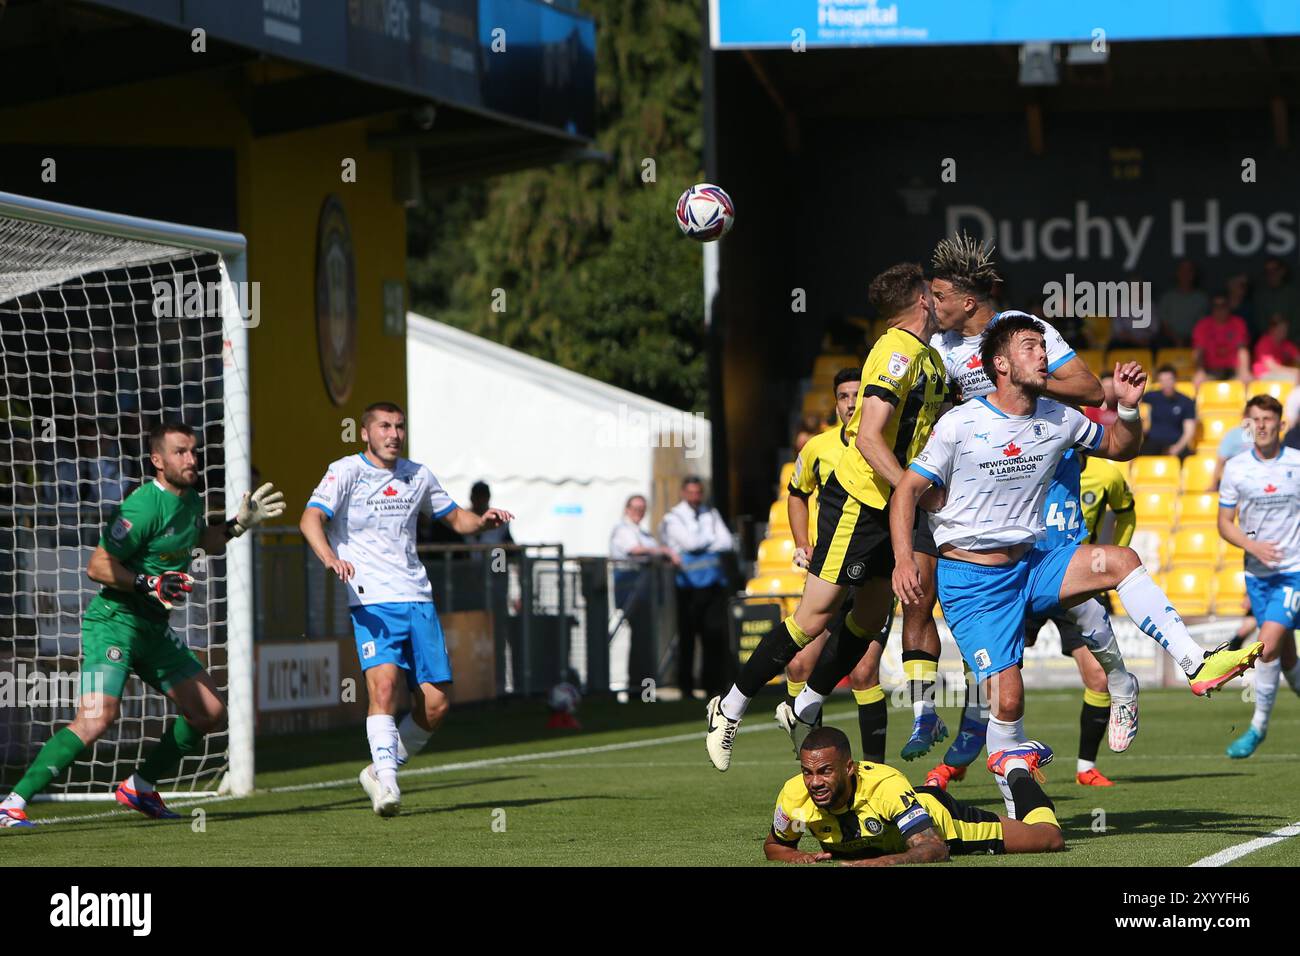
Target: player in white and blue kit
361,522
1259,512
996,457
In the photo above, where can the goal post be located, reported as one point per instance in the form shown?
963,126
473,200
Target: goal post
109,323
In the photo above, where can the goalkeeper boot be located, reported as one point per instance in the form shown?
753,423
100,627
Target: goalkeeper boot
11,818
720,736
149,802
385,801
927,730
1222,665
1123,725
967,744
944,774
796,729
1035,753
1246,744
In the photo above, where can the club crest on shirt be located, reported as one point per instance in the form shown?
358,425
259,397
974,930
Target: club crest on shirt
1039,429
874,826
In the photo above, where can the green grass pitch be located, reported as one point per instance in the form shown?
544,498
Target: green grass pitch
496,788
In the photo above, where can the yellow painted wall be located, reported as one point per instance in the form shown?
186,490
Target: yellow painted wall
282,182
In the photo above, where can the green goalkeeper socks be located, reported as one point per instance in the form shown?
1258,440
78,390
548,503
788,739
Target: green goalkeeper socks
179,740
55,757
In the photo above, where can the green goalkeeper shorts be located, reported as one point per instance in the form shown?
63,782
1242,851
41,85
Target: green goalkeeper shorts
116,640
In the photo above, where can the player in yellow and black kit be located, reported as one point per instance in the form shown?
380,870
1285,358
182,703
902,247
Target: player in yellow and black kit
903,388
812,467
869,815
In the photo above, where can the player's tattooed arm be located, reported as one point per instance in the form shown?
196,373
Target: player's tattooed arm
1074,384
781,851
925,846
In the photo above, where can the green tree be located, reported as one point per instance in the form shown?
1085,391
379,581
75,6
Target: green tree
595,274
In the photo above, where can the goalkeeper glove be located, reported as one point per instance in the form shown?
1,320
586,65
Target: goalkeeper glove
255,508
168,588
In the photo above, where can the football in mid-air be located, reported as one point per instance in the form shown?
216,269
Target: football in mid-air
705,212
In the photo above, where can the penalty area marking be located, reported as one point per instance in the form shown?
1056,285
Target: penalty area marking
1250,846
440,768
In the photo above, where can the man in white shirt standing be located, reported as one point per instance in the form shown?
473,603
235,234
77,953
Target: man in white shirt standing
370,503
698,534
1259,512
630,549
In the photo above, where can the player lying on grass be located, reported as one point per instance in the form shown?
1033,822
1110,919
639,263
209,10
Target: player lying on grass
871,816
142,562
902,391
370,503
997,456
813,465
1259,512
1076,505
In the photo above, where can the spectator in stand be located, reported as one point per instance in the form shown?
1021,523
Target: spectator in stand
1240,303
1138,326
480,499
809,426
1276,358
1222,343
1173,417
1183,306
697,533
1108,412
1277,294
631,548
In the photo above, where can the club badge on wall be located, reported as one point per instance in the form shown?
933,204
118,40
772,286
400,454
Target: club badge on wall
336,301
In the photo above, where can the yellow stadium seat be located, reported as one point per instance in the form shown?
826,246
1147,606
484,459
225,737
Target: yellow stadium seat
1194,546
1152,547
775,554
1154,473
1183,361
1155,509
1186,388
1230,592
787,472
1097,328
1198,472
1129,355
1279,390
1231,558
819,402
1229,396
1198,509
1213,426
778,520
825,366
788,584
1095,359
1189,590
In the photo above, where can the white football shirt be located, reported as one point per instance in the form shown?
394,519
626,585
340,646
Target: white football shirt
997,469
961,356
1266,494
373,513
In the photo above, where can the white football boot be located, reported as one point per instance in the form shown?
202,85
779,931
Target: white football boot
794,728
721,734
385,801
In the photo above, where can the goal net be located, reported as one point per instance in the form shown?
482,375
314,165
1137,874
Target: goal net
109,324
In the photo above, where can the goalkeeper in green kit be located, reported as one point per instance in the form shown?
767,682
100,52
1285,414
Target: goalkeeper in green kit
142,560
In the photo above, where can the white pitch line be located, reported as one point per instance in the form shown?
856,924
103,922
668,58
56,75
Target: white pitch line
1241,849
443,768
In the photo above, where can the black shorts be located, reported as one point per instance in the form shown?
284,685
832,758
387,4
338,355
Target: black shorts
1071,636
923,536
852,538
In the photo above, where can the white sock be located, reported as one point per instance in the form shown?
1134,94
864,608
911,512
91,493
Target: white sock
808,705
1006,796
411,738
1149,607
13,802
1266,678
1083,766
734,704
139,784
381,729
1006,735
1094,626
1293,676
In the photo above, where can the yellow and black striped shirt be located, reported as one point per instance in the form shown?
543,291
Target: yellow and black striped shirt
908,374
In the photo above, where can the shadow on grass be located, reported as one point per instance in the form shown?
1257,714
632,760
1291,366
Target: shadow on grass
1172,820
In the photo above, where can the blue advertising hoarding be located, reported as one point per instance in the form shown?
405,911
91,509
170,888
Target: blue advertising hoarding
742,24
